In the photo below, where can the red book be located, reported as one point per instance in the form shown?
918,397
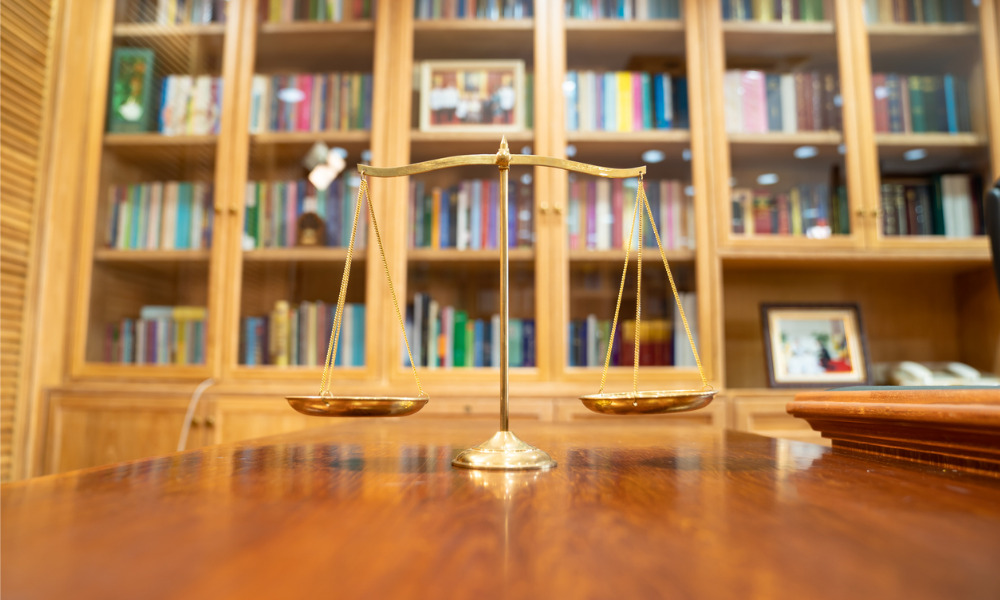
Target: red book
784,214
881,93
617,206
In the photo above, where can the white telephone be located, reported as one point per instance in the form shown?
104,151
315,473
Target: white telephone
908,372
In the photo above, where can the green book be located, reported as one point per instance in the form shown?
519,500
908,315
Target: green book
917,111
130,97
458,350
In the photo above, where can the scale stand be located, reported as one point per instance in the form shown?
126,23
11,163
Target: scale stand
503,451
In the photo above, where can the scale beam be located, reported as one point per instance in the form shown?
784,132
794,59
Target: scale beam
529,160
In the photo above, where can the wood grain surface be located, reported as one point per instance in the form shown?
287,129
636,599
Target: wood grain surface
957,427
373,509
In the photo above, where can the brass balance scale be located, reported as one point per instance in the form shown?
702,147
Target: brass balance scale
505,451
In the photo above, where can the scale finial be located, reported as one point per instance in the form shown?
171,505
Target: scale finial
503,156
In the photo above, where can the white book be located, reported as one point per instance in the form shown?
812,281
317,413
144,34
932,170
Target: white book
592,340
789,108
155,215
585,100
963,205
733,105
433,330
605,220
180,104
418,325
258,89
495,341
199,122
140,341
346,342
948,204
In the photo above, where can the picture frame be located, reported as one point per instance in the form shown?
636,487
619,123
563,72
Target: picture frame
814,345
472,95
130,97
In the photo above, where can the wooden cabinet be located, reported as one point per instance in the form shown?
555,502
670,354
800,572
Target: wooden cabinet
763,412
923,297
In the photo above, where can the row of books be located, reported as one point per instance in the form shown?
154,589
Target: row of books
160,215
810,210
759,102
311,102
474,9
299,335
600,214
190,105
625,101
921,103
444,336
772,10
623,9
914,11
949,205
274,210
162,335
285,11
464,216
172,12
662,342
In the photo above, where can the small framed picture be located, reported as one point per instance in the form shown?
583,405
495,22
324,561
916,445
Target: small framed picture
472,95
814,345
130,97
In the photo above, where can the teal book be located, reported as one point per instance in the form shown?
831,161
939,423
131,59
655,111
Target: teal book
130,97
458,352
358,341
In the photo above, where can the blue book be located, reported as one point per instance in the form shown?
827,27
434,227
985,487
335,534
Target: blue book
479,343
774,116
680,96
951,114
248,341
528,333
445,220
492,234
610,93
570,344
183,234
358,350
662,102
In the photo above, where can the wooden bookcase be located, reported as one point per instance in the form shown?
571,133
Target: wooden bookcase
921,297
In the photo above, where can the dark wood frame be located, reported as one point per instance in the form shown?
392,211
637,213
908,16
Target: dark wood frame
857,344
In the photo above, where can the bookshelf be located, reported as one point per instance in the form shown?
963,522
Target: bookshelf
924,297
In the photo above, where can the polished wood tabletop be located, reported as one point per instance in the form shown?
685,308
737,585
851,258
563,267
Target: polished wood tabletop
634,509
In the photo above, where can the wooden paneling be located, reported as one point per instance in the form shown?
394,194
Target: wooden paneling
24,70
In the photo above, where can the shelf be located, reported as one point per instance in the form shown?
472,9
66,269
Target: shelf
156,147
139,257
625,149
894,46
751,44
428,145
474,38
325,254
617,257
780,146
945,152
177,47
432,255
308,46
613,44
920,253
282,147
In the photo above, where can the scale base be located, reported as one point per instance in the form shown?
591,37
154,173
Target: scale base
504,452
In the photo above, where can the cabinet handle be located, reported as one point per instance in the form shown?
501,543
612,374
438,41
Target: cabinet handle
210,421
195,421
874,213
544,207
558,209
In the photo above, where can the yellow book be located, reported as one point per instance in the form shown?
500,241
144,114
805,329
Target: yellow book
624,79
796,211
279,334
436,218
763,10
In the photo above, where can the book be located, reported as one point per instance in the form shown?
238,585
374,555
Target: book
130,99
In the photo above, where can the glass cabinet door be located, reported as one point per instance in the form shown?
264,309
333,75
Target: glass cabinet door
783,117
154,218
309,120
626,105
454,223
929,98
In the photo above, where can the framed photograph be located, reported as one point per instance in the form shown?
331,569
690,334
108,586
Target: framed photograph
130,97
472,95
814,345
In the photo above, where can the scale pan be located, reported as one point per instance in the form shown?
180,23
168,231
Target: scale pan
648,403
356,406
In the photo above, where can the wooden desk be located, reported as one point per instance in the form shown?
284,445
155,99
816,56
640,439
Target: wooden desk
373,509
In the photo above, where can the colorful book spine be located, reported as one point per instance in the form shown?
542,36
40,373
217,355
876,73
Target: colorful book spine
600,214
160,216
273,211
285,11
161,335
311,102
624,101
